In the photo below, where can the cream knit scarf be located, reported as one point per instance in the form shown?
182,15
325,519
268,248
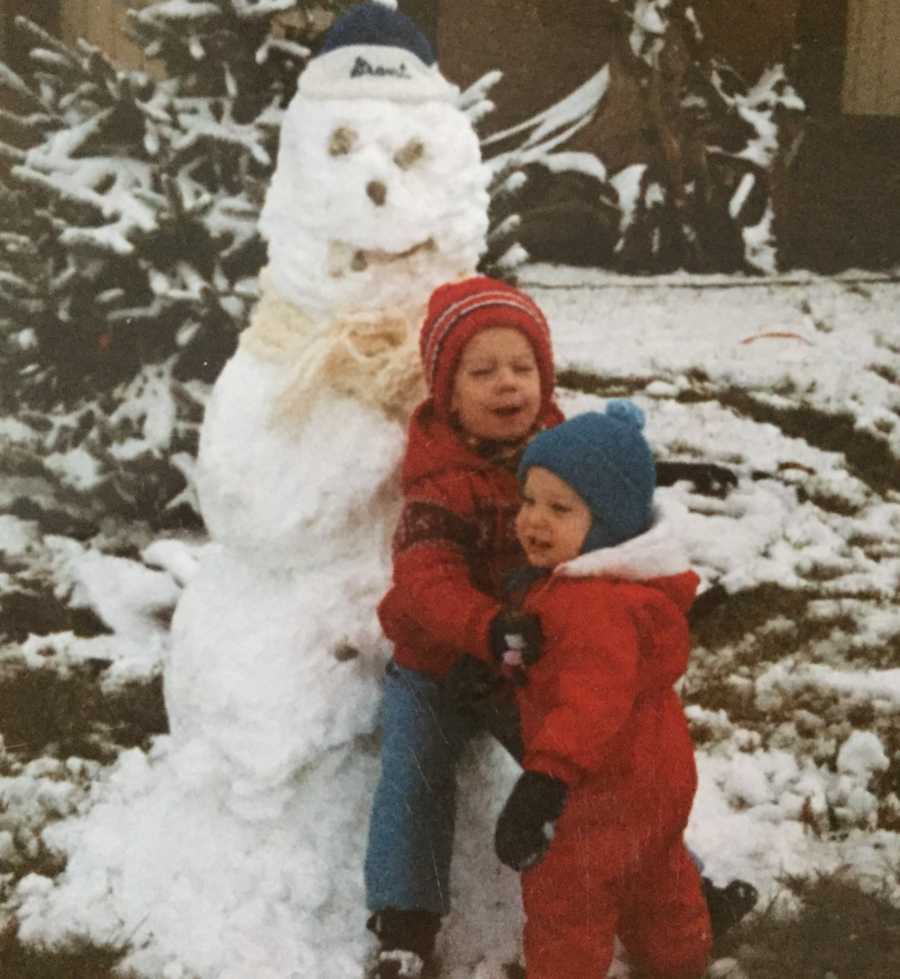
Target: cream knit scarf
371,356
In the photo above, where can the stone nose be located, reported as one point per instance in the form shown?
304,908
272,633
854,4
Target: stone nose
377,192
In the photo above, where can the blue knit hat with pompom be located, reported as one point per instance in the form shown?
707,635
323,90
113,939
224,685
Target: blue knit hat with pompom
607,461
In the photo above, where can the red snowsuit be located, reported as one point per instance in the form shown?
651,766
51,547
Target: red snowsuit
453,546
600,713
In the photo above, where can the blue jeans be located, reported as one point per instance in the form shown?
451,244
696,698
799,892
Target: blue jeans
413,811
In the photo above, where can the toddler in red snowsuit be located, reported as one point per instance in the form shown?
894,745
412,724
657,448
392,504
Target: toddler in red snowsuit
488,362
596,821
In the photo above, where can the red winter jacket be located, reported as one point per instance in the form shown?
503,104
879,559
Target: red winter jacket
599,710
453,546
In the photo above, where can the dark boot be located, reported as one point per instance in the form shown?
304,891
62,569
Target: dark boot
728,905
405,942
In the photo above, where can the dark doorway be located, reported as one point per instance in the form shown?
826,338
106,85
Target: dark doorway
844,185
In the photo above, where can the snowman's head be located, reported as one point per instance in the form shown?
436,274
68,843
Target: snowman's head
379,194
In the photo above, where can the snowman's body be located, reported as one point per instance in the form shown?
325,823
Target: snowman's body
277,655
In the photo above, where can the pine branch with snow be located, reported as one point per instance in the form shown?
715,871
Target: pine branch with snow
129,249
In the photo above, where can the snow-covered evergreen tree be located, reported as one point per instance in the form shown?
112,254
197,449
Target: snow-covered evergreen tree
700,191
128,241
704,201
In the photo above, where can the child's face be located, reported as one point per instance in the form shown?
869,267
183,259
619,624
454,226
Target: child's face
497,388
553,521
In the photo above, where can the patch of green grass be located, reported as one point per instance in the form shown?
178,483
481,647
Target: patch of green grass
80,961
587,382
887,783
738,639
868,457
886,373
840,930
44,710
33,609
746,613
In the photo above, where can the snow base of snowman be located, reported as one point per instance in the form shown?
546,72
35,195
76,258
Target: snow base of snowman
162,867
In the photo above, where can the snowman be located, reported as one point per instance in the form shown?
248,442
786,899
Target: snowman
272,689
378,196
234,847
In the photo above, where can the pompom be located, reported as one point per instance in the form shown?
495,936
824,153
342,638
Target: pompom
627,412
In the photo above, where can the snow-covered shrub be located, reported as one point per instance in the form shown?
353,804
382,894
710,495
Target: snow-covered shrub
128,242
704,153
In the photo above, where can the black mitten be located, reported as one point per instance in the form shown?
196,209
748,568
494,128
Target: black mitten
525,826
728,905
471,683
519,631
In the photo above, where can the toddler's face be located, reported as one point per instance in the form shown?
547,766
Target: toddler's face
553,521
497,387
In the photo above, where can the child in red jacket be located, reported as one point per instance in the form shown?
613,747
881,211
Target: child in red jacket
596,821
488,363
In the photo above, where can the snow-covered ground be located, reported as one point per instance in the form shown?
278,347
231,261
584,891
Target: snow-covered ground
796,386
794,692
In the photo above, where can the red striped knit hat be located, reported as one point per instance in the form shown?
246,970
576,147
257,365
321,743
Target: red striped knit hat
459,310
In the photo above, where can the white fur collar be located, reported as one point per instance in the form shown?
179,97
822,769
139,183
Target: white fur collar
656,553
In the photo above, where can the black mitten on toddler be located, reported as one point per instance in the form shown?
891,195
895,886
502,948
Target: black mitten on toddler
471,683
525,826
519,631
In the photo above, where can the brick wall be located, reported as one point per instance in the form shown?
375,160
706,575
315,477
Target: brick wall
872,78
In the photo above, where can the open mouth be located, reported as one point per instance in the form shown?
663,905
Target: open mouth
535,546
344,257
508,411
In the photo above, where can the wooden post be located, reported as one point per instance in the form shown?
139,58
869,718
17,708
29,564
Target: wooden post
101,23
872,74
72,23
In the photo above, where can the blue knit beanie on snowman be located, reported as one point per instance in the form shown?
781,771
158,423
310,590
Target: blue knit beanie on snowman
607,461
375,23
375,52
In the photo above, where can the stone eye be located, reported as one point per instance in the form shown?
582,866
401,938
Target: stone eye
409,154
342,141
